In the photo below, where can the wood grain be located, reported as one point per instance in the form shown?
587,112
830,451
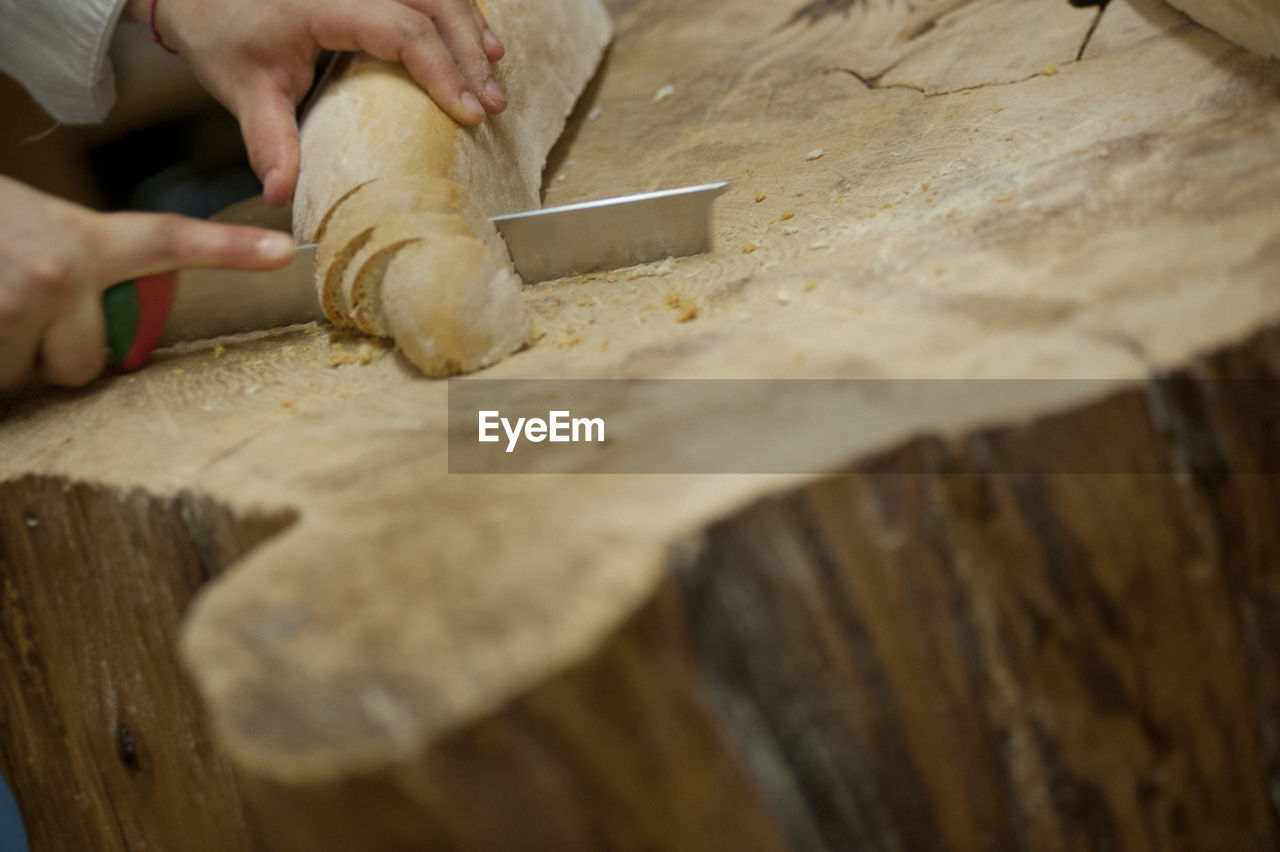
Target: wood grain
104,742
975,659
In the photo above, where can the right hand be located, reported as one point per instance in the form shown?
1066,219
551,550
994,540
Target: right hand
56,259
257,57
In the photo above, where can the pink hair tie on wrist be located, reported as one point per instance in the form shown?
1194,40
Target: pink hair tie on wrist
155,33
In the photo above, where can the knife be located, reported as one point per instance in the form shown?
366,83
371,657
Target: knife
198,304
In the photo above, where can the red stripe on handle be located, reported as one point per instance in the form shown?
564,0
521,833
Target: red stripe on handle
155,301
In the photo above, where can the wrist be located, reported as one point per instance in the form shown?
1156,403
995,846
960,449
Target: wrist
158,24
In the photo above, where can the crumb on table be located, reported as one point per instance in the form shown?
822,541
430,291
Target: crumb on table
686,309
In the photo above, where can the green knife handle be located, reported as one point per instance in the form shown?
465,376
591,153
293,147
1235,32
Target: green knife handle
136,312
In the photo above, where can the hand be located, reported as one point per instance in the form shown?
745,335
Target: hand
257,58
56,258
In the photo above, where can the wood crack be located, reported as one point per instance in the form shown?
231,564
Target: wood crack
1088,36
924,20
874,83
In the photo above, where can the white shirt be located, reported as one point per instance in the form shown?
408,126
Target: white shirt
57,49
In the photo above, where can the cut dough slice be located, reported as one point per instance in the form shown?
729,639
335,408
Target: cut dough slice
362,278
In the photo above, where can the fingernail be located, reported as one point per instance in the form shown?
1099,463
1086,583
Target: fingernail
275,247
491,41
471,105
494,92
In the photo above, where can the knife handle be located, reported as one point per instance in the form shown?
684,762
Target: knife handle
136,312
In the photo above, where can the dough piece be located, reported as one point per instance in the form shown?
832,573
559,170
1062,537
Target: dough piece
452,303
388,177
1254,24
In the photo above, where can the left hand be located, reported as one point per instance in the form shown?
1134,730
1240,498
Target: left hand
257,57
57,258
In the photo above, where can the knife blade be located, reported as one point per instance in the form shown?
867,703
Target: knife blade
198,304
215,302
610,232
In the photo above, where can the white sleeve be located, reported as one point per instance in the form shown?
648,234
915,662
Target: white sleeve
57,49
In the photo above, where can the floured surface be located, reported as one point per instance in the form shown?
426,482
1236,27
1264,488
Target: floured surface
1089,218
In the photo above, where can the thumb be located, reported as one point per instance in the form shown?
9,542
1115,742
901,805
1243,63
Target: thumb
133,244
270,131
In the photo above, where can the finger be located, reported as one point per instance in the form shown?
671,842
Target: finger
462,36
397,33
270,130
74,348
30,295
12,312
133,244
18,348
493,47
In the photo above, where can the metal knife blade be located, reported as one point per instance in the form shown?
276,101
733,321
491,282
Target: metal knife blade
610,232
214,302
